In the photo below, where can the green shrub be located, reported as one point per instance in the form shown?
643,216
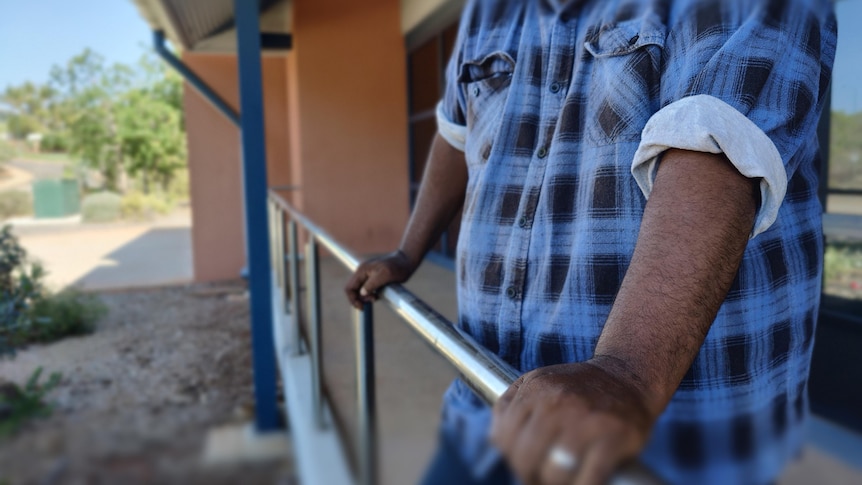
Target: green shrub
65,314
178,189
55,143
15,203
101,207
842,261
19,405
20,285
140,206
30,314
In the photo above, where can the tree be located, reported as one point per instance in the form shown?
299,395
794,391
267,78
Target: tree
90,92
115,118
151,138
29,108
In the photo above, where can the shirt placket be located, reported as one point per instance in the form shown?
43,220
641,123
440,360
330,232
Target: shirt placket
554,86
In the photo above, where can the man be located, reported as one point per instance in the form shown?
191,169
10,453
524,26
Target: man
677,330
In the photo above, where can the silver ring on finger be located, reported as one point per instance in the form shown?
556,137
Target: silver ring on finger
562,458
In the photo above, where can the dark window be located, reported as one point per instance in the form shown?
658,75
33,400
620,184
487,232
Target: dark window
836,369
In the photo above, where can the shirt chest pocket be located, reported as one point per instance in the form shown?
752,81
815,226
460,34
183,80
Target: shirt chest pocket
625,79
485,82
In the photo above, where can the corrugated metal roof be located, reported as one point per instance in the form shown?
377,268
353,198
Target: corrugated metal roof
196,19
207,23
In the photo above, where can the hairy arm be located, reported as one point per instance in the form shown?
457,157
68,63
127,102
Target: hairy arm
441,196
694,231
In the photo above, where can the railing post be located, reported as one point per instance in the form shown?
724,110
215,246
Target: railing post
366,399
284,249
273,209
294,289
269,219
278,244
312,284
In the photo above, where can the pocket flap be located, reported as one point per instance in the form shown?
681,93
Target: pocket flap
494,64
625,37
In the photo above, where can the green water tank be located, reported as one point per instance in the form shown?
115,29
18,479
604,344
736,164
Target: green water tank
56,198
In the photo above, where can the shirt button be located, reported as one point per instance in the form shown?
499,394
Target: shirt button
542,152
476,91
511,292
556,87
523,222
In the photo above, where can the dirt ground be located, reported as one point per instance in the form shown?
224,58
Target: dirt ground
139,395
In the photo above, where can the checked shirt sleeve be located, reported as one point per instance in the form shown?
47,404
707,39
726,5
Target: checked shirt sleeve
451,120
745,78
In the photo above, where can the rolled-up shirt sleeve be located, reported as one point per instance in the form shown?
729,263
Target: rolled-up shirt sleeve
451,118
452,132
747,79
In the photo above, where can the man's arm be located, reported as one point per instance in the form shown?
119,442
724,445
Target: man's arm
441,195
695,228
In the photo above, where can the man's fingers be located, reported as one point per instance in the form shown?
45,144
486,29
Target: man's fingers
377,278
599,462
507,397
354,285
532,445
502,406
561,470
507,426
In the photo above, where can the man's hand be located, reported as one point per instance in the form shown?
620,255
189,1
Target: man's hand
374,274
441,196
593,411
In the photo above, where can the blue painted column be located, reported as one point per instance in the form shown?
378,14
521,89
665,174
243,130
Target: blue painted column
246,13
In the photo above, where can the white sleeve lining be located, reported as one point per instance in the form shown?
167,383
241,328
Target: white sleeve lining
454,133
704,123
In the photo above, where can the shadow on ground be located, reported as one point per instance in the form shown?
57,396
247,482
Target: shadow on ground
159,256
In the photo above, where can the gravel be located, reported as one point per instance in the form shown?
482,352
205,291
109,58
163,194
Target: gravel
139,395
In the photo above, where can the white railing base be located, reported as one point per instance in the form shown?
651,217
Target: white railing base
318,454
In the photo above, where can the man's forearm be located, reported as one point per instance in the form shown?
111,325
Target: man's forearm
694,231
441,196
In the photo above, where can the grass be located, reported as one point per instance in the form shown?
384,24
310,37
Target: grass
65,314
843,261
19,405
843,270
15,203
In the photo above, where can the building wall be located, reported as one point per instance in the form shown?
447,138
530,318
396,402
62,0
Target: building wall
336,127
348,119
214,161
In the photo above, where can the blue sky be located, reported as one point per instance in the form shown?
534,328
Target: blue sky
35,35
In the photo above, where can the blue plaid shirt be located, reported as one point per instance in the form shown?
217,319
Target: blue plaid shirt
562,110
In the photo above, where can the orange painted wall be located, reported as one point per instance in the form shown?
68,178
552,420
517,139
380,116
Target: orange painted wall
214,160
348,119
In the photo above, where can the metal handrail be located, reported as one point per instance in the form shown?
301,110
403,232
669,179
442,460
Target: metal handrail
480,369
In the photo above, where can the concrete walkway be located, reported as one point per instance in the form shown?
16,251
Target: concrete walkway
111,256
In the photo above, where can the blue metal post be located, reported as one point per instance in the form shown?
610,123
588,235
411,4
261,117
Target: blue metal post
246,13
